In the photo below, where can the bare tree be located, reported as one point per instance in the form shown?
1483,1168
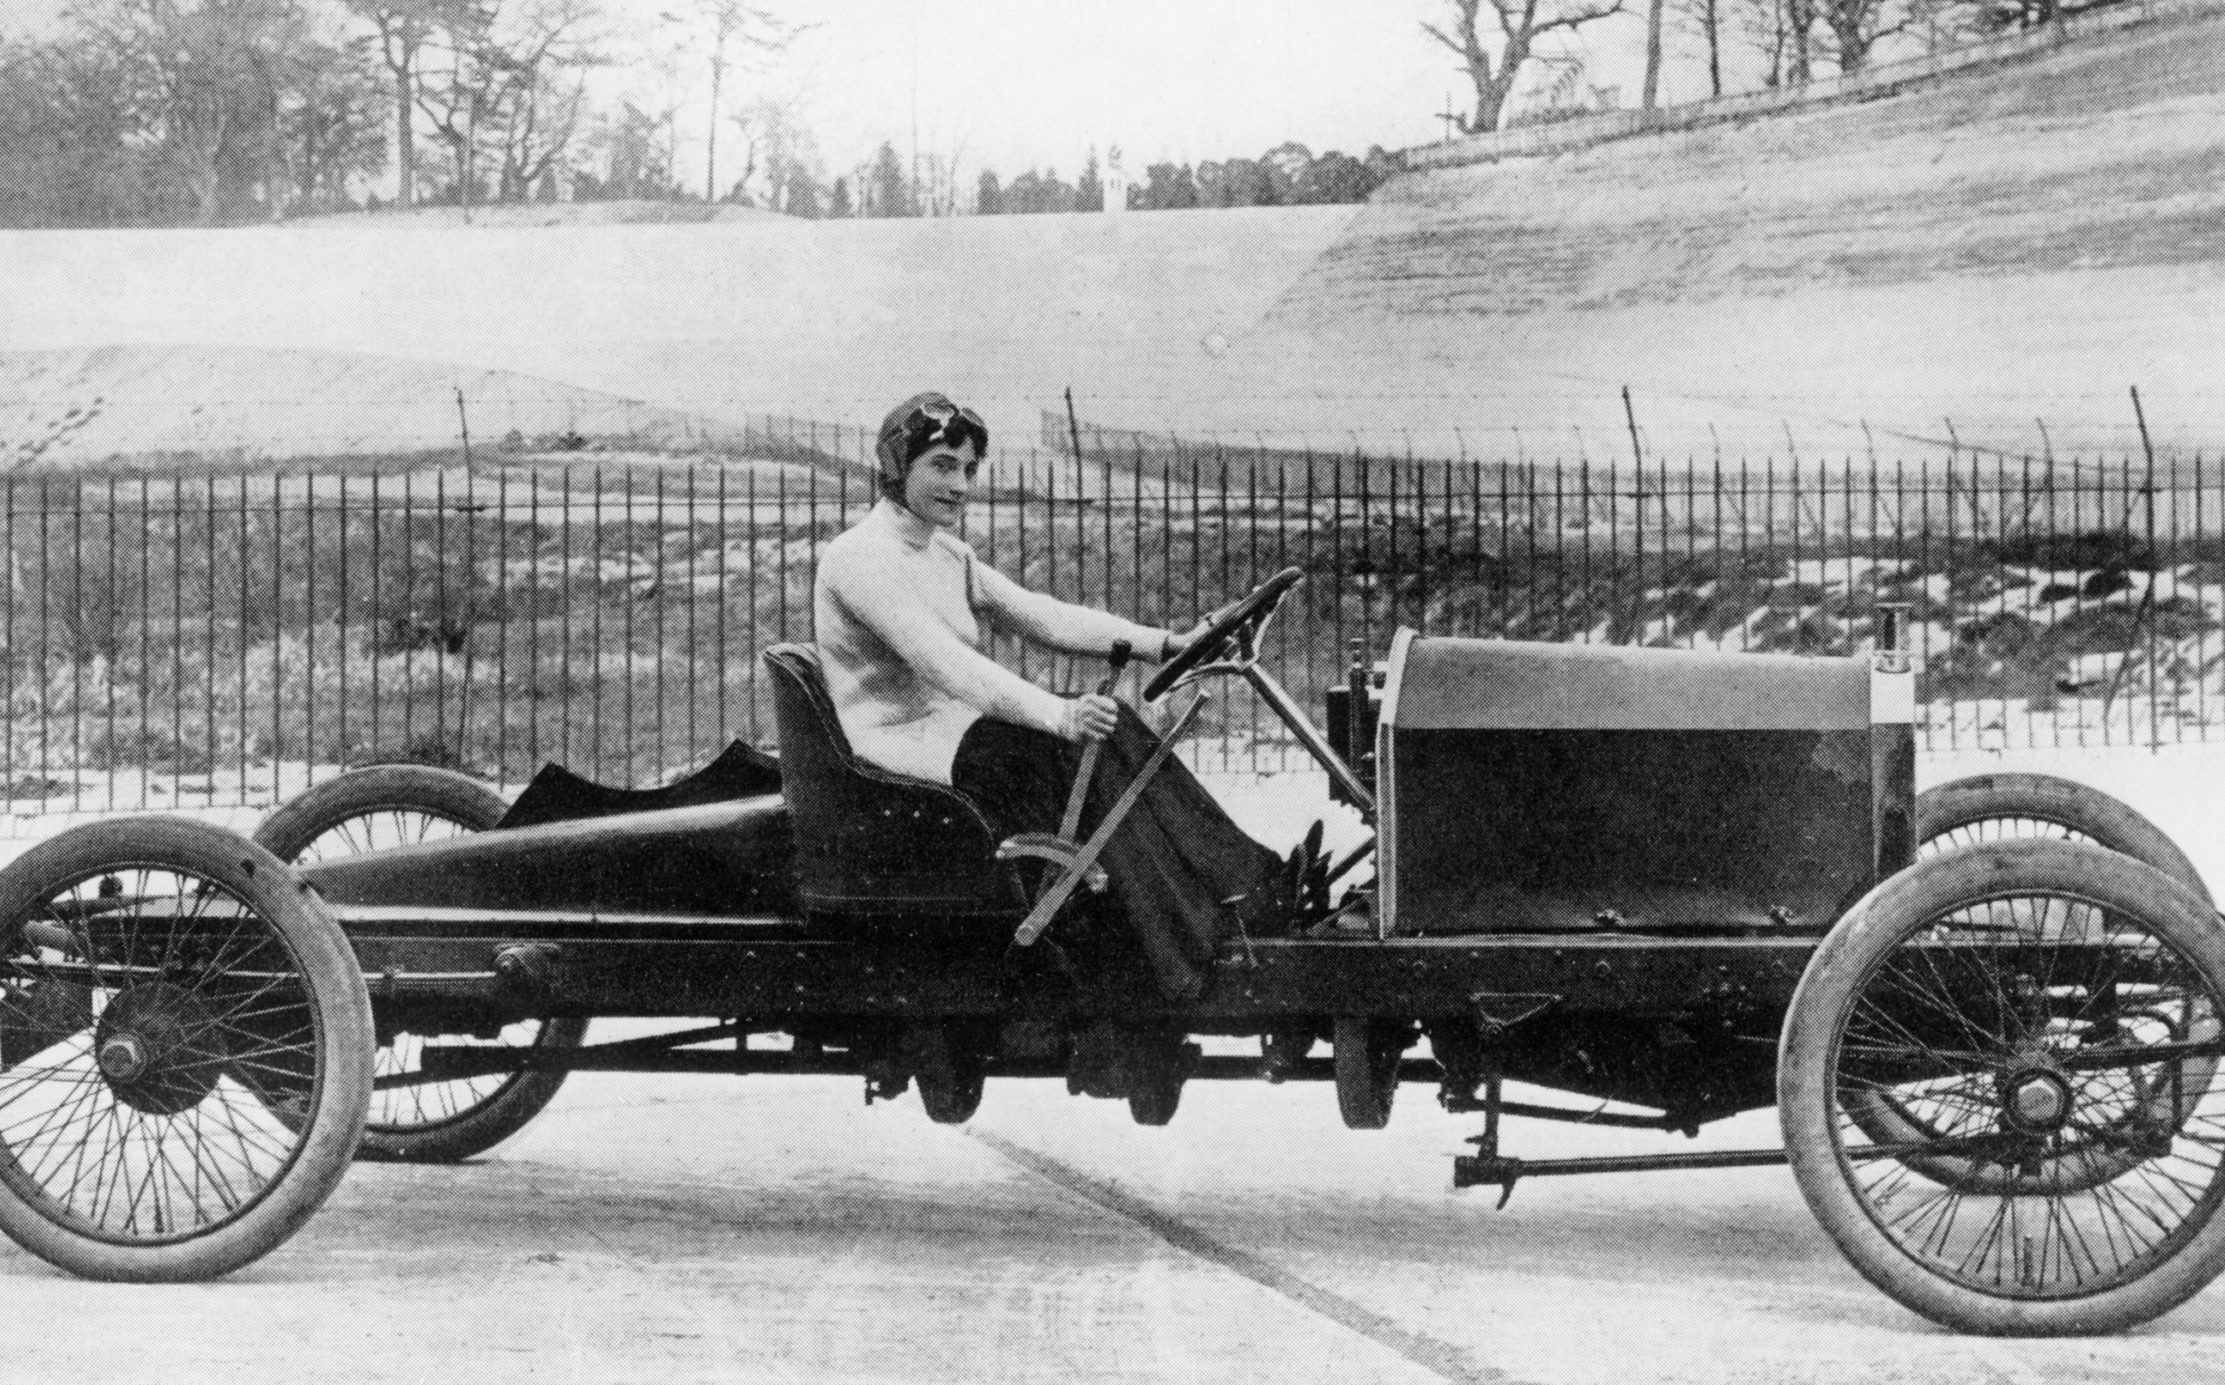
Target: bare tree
1521,23
1765,26
939,181
730,31
778,153
512,77
1793,35
1705,18
331,113
204,79
1652,95
404,28
1854,27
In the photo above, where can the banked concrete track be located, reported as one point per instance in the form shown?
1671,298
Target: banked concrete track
1986,261
1961,262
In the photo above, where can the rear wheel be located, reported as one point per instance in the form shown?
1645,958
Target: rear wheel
376,809
2012,807
197,1076
2049,1017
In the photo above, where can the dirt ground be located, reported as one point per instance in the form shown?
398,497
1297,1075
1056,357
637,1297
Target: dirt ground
671,1230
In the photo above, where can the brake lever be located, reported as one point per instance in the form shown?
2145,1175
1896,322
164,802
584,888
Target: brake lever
1072,820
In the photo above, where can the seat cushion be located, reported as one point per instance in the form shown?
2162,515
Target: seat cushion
869,841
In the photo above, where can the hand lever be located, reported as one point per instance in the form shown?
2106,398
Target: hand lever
1072,821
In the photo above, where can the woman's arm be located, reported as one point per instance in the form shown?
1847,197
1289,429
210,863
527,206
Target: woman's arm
1057,624
878,598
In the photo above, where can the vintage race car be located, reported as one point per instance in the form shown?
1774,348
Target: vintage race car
1675,886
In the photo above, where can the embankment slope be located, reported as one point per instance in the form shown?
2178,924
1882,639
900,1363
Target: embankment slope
1968,256
1986,261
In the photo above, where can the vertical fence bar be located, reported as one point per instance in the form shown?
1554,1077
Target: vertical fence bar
277,635
1251,578
595,614
309,624
111,642
371,627
502,624
567,584
1282,560
406,637
780,502
11,659
749,488
725,669
628,539
1372,581
44,667
340,738
692,686
437,633
657,604
1337,574
1105,491
2201,563
1587,579
239,633
77,644
146,529
2148,603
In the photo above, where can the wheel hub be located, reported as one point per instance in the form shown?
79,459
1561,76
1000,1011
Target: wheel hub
159,1048
2035,1101
123,1057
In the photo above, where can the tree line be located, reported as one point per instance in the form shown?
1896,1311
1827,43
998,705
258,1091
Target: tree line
1784,43
1290,174
141,112
163,112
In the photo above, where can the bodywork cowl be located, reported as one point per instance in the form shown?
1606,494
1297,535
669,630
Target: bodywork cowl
1546,787
709,860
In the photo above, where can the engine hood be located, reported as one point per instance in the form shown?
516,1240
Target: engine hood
1546,787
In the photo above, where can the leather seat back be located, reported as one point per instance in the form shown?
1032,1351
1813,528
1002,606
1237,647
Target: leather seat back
869,841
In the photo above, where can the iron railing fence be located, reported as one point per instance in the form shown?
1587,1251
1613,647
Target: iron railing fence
217,640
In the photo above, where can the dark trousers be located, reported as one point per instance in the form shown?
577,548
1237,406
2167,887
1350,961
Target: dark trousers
1183,877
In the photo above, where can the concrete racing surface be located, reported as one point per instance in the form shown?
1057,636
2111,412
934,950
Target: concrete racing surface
675,1229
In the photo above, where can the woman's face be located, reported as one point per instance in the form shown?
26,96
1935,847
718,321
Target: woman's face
939,481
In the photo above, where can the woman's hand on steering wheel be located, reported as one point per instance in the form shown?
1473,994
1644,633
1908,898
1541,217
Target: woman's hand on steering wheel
1179,640
1240,621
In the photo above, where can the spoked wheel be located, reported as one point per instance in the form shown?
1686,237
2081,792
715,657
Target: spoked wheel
2012,807
1991,808
2045,1019
376,809
198,1074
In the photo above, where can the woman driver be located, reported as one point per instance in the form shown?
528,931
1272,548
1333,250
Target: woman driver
899,602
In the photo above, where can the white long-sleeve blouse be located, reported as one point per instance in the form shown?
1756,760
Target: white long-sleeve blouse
898,603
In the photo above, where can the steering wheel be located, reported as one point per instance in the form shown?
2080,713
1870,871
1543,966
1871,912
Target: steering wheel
1239,623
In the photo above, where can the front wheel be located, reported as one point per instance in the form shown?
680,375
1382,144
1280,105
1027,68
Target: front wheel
2048,1016
375,809
198,1076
